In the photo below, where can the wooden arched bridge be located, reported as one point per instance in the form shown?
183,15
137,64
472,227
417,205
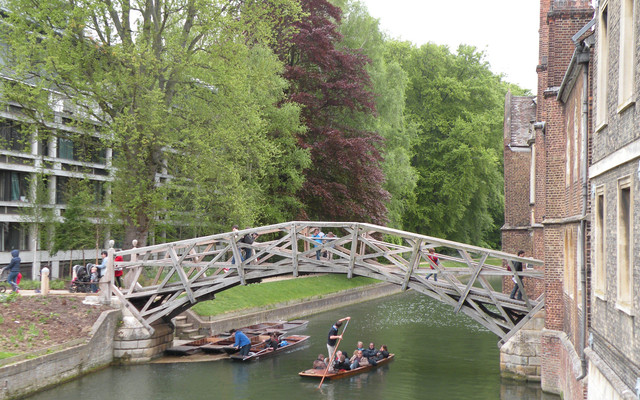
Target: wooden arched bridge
162,281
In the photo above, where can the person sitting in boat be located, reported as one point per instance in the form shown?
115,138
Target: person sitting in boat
273,341
370,351
358,360
334,360
341,363
242,342
360,346
319,362
381,354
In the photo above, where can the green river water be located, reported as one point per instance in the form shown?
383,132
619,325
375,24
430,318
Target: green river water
439,355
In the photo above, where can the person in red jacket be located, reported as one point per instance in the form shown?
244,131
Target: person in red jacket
434,258
118,272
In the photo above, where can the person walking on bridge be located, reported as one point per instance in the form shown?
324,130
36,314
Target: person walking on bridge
434,259
516,288
318,235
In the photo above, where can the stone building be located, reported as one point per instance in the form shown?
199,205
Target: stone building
554,186
61,159
614,343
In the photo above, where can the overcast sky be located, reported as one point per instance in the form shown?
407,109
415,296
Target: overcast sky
507,30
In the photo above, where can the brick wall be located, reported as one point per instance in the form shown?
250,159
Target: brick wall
558,193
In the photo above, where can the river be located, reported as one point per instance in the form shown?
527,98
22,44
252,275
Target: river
439,355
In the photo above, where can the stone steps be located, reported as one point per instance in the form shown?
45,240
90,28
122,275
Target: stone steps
185,330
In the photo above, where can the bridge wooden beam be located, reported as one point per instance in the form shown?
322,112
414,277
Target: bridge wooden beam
487,286
238,263
133,310
181,274
381,251
294,249
472,279
415,260
137,271
522,322
354,248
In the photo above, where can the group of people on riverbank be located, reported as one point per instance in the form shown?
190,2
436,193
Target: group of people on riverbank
340,361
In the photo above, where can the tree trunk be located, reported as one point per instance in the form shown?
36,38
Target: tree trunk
138,233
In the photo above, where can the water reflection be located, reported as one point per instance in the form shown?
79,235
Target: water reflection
439,355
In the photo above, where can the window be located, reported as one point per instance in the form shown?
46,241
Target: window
62,183
627,40
65,148
83,148
13,236
600,276
532,176
98,192
625,246
603,66
13,186
12,136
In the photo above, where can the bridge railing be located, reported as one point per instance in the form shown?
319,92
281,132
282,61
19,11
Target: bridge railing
164,279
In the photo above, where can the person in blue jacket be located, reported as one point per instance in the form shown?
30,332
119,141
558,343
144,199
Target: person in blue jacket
102,267
14,269
242,342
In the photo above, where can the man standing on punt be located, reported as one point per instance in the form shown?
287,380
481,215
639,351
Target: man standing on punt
242,342
333,336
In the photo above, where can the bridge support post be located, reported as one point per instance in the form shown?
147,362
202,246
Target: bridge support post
135,344
521,355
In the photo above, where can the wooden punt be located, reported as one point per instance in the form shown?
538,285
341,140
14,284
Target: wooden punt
222,342
226,345
261,350
194,346
319,373
271,326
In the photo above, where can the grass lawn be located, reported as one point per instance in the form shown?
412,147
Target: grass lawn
6,355
269,293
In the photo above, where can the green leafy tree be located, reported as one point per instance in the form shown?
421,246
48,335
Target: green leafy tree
389,82
75,231
179,90
457,104
39,215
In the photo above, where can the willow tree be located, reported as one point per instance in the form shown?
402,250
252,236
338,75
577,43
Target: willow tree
168,85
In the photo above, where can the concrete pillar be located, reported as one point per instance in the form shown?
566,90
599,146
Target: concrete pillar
44,281
106,282
133,344
521,356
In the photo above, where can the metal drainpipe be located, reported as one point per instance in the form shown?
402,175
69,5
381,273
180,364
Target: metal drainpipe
582,240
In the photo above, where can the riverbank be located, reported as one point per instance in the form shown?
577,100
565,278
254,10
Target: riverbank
75,358
209,326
